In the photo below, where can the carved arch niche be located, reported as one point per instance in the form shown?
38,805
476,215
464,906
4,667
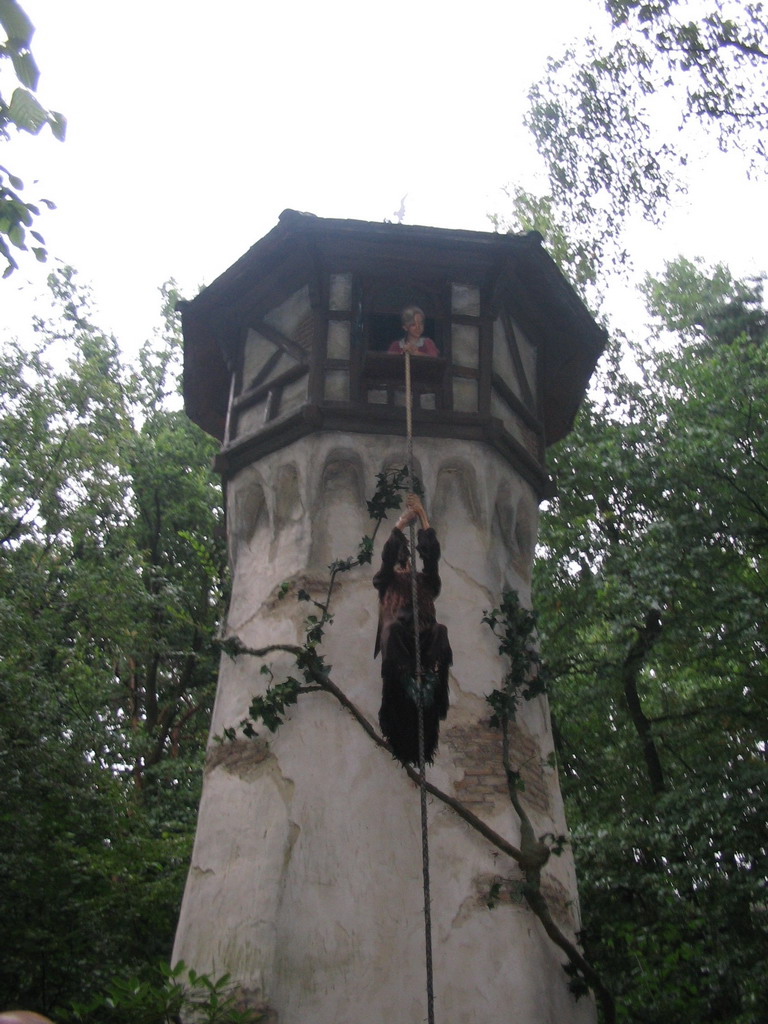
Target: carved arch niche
338,509
249,515
457,514
250,531
513,533
289,517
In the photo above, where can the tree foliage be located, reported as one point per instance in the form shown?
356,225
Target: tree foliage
112,576
617,116
572,251
652,589
21,111
166,996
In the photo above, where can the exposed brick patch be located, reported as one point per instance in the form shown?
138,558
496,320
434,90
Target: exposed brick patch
249,999
237,755
494,890
305,332
530,439
476,749
558,900
499,890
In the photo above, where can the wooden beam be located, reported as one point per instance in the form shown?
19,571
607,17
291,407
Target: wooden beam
255,395
292,348
513,345
514,403
266,369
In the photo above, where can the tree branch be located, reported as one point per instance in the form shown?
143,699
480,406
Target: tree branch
530,858
647,636
538,905
463,812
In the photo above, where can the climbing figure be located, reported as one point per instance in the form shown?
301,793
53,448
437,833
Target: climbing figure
398,716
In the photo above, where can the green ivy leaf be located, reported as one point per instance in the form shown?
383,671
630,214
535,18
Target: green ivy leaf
26,112
25,67
16,23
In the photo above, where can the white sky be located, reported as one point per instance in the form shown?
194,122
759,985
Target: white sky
193,124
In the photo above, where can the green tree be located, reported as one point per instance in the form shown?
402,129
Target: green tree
572,252
617,116
22,111
112,577
652,589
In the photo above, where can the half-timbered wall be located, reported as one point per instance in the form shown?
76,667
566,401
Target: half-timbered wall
274,374
330,354
514,385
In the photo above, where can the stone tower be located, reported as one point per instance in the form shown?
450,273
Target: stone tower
305,883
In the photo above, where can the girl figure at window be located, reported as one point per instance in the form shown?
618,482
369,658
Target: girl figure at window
413,340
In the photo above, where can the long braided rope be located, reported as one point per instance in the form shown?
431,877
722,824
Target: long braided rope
420,706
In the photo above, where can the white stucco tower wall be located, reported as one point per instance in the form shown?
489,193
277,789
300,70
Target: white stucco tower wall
305,883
